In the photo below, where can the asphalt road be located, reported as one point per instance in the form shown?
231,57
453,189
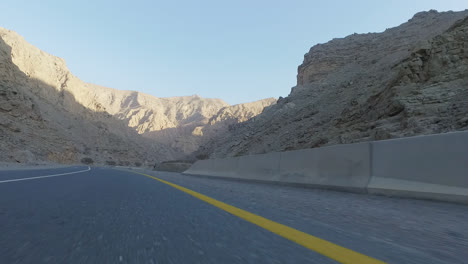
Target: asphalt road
114,216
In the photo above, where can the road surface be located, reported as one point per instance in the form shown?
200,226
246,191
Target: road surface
103,215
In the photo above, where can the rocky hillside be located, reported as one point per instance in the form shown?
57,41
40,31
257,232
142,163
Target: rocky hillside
190,135
409,80
229,117
42,120
168,121
48,114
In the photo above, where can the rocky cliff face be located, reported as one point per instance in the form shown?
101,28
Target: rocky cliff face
42,118
46,113
409,80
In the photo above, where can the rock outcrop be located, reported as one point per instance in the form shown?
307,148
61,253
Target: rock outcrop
409,80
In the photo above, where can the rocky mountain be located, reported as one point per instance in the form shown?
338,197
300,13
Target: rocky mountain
189,137
48,114
409,80
219,124
168,121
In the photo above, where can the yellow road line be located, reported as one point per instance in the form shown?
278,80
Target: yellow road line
331,250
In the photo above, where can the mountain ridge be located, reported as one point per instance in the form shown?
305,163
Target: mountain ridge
66,106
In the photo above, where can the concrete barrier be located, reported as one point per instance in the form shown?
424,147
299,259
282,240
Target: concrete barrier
201,167
429,167
226,167
215,167
263,167
339,167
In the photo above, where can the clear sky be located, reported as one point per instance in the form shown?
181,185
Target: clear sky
238,50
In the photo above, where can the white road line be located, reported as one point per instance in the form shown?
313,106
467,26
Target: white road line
45,176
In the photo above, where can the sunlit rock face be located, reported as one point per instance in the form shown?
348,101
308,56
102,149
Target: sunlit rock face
49,112
408,80
51,115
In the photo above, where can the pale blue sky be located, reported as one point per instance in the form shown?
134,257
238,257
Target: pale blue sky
238,51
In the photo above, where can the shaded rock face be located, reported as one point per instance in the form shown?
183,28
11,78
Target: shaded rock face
429,94
369,49
48,112
409,80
